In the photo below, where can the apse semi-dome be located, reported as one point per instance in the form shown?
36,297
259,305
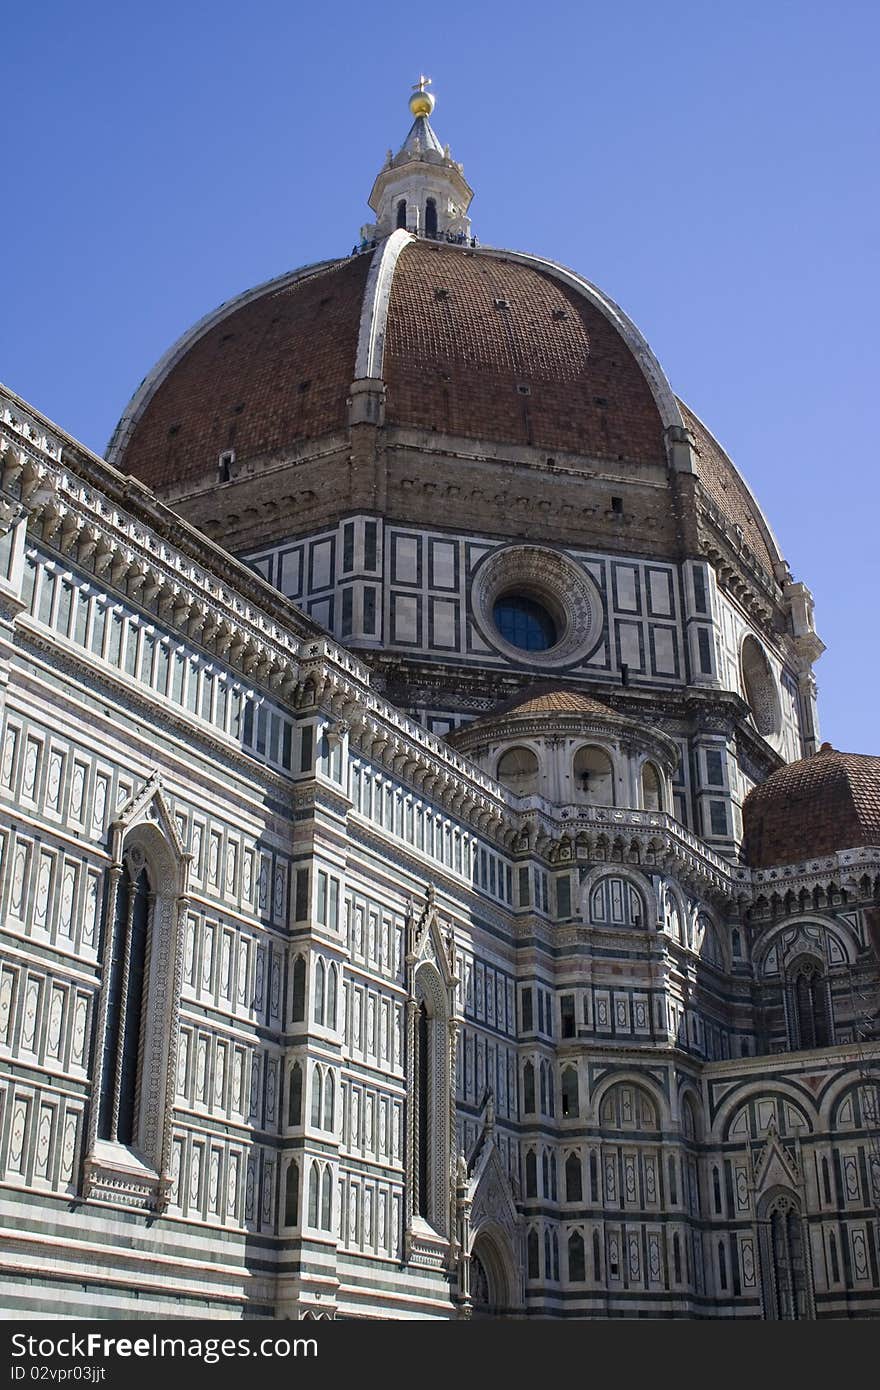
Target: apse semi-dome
812,807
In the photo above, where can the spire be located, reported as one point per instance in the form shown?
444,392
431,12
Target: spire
421,188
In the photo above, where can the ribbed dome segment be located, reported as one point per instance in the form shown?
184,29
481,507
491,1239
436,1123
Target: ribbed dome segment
273,372
489,348
544,699
813,807
500,350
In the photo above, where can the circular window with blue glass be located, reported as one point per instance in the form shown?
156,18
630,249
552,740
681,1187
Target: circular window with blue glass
537,606
524,623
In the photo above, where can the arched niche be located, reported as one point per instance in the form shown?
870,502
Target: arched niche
493,1276
518,769
593,776
760,687
651,787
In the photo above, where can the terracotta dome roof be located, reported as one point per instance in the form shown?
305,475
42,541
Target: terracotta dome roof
813,807
261,376
481,344
494,346
535,701
542,699
491,348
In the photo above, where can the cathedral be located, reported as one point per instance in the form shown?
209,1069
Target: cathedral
423,891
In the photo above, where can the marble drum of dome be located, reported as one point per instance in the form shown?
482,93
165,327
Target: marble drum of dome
537,606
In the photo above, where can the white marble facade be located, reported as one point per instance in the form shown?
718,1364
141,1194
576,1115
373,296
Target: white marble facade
354,930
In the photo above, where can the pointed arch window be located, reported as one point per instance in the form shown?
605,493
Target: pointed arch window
138,1008
573,1178
531,1174
432,1086
430,217
298,1004
534,1255
332,991
319,991
291,1194
529,1088
809,1005
294,1095
570,1099
577,1272
125,1004
327,1199
317,1096
424,1087
785,1271
401,213
314,1181
328,1101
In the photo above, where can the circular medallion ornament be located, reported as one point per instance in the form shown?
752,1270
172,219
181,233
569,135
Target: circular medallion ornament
536,606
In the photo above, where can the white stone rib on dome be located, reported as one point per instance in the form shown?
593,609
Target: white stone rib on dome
374,310
374,318
153,380
654,374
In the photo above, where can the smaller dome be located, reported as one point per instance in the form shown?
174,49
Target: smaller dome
546,699
545,708
816,806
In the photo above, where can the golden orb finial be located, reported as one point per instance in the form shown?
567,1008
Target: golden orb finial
421,103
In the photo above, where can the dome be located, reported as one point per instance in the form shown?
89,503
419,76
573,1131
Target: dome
562,709
813,807
551,700
475,354
476,344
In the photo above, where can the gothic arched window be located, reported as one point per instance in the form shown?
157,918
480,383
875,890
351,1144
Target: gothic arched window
809,1005
317,1094
138,1009
570,1099
576,1262
529,1089
298,1006
531,1174
291,1194
573,1178
318,1007
332,990
785,1272
125,1004
430,217
534,1255
314,1180
431,1079
401,213
327,1199
294,1095
328,1101
423,1082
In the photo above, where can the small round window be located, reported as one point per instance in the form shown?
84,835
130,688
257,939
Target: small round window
524,623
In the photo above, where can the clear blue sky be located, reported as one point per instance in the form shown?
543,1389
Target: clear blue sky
713,167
